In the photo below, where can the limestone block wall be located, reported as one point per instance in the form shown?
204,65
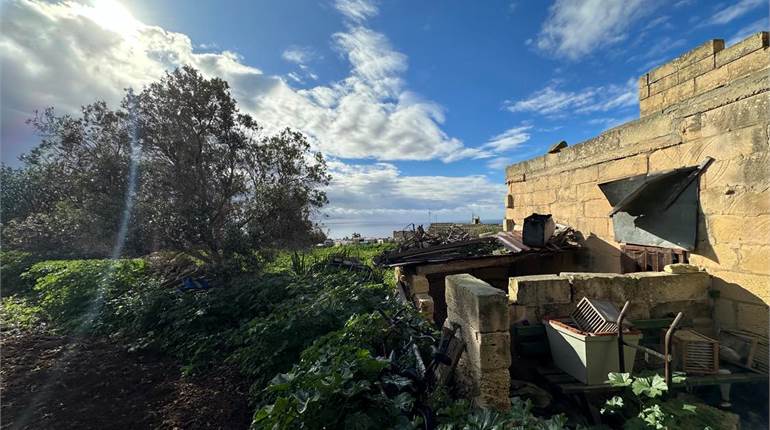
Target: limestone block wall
481,313
712,101
651,294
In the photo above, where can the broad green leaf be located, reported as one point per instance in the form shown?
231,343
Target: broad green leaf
620,379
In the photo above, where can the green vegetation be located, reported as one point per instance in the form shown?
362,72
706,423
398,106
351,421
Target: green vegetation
643,405
313,339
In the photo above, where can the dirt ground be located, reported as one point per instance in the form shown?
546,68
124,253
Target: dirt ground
55,382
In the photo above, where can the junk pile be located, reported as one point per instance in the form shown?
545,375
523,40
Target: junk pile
453,243
585,344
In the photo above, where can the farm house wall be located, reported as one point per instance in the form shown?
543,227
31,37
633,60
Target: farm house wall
711,101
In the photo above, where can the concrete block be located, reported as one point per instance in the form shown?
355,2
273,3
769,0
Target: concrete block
537,290
476,303
746,46
662,287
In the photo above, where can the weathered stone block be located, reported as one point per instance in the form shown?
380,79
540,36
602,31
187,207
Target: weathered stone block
662,287
629,166
689,308
753,318
705,50
725,313
734,200
679,268
419,284
742,287
488,351
708,81
746,46
485,388
723,256
732,229
598,226
652,104
755,259
589,191
696,69
537,290
750,63
476,303
664,83
605,286
644,89
586,174
596,208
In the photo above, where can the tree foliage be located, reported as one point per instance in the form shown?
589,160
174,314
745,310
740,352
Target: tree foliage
179,160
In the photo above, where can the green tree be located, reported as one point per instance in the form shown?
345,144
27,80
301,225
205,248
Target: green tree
209,180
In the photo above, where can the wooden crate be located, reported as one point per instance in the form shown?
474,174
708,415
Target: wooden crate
694,352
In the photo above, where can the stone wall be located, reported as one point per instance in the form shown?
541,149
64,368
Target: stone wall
481,313
712,101
650,294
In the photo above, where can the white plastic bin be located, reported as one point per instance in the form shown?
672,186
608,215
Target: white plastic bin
588,358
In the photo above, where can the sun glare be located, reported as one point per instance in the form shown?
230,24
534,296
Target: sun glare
112,15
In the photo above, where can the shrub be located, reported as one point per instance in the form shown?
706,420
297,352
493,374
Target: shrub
12,265
72,293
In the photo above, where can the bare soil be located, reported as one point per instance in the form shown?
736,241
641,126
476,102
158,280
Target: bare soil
56,382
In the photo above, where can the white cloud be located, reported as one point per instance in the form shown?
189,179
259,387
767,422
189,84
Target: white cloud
299,55
509,139
379,191
736,10
553,101
356,10
67,54
499,163
575,28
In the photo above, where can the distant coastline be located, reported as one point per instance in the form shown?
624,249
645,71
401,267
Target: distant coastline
338,229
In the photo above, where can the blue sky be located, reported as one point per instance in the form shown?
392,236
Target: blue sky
417,105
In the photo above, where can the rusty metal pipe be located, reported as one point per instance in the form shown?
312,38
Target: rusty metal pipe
667,348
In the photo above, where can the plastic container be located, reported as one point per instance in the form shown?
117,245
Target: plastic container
588,358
